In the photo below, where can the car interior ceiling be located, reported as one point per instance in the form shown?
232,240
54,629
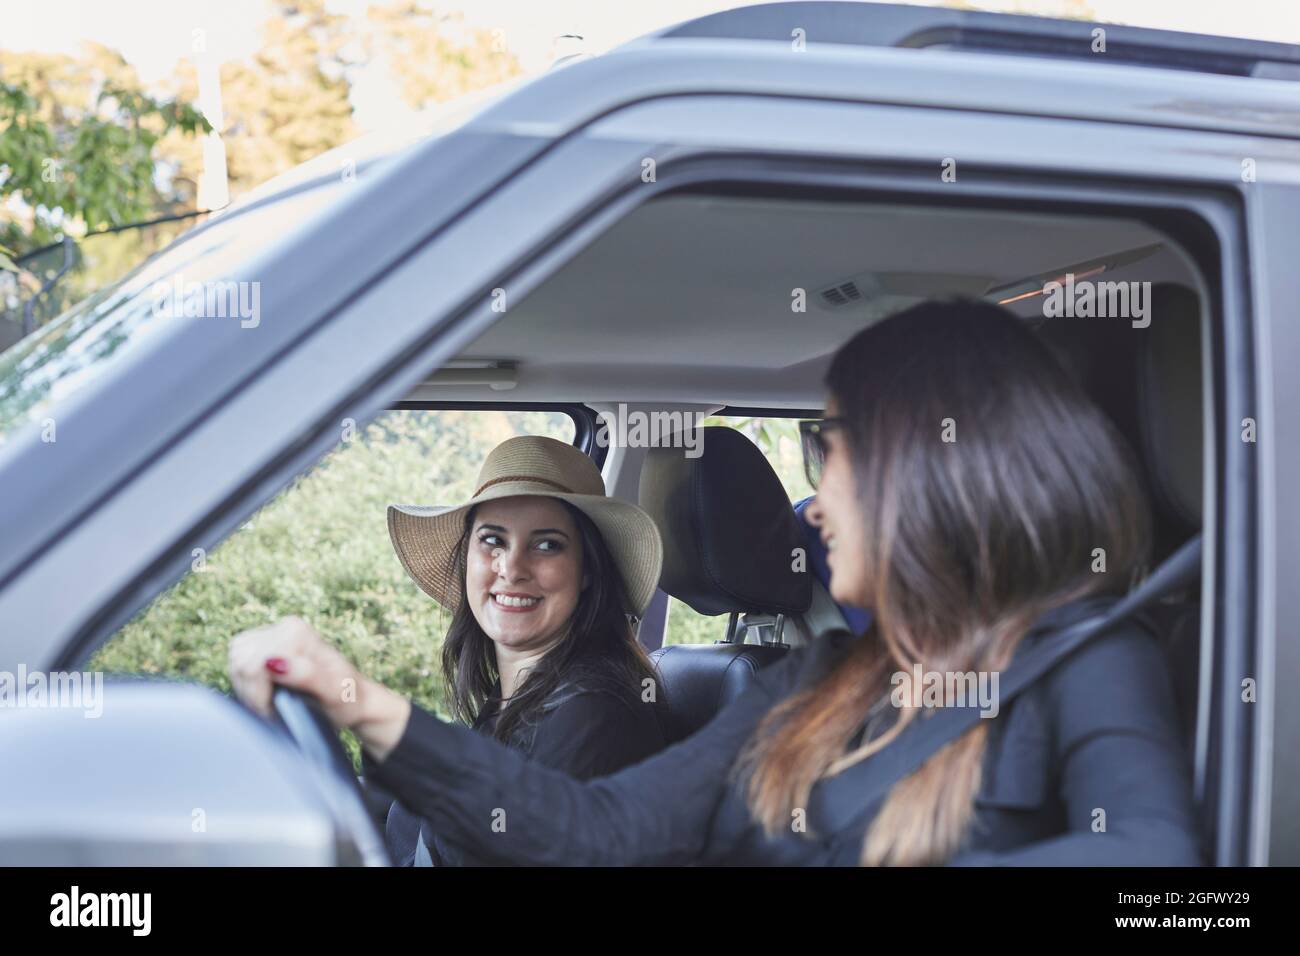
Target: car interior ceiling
688,299
711,325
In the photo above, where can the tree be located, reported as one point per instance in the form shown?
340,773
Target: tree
83,146
436,57
286,104
77,145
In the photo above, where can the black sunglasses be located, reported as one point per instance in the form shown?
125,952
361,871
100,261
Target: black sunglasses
812,438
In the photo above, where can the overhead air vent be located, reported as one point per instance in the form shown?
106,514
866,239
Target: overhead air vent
846,293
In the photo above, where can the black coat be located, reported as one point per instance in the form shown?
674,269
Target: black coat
1097,733
590,726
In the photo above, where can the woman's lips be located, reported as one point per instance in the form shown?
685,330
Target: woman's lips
516,603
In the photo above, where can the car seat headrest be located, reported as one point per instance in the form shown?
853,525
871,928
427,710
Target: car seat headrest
1149,382
1170,417
730,534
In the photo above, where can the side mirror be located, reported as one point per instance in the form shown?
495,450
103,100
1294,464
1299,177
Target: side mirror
158,773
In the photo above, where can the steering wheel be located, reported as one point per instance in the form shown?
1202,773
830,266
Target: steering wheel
301,719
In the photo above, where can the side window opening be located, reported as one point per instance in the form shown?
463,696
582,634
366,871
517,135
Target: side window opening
320,550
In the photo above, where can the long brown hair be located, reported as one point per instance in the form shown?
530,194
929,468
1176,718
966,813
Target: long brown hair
986,479
598,649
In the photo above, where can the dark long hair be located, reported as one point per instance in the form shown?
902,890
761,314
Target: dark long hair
597,650
967,542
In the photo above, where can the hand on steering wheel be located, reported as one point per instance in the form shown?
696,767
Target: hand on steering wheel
305,724
320,697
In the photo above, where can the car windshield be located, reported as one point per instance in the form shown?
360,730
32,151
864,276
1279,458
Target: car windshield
76,348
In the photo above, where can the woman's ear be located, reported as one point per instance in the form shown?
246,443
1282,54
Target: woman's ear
586,581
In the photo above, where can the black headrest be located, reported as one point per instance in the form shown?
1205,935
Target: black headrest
730,533
1170,413
1149,381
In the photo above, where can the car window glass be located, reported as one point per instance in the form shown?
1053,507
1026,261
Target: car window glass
76,348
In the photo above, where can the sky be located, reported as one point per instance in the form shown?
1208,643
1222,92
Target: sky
153,34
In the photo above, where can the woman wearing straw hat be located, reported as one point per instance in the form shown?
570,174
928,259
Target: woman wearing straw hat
540,570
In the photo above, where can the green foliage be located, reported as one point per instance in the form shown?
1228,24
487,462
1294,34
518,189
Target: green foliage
84,147
83,168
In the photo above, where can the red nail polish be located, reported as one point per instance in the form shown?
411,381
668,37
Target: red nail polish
277,664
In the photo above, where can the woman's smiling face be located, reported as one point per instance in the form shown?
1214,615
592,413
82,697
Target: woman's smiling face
523,570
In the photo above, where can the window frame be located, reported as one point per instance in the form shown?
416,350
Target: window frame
584,419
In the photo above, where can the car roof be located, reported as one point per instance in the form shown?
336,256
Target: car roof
895,25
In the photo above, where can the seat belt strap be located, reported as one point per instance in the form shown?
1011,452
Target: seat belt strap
859,789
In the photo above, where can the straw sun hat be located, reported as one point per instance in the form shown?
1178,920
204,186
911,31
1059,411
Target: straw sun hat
530,465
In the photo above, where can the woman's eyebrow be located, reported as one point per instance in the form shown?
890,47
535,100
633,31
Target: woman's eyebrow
497,527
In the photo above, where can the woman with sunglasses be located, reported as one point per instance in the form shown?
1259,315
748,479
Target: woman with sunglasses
964,485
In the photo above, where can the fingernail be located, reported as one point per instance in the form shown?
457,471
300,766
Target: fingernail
277,664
